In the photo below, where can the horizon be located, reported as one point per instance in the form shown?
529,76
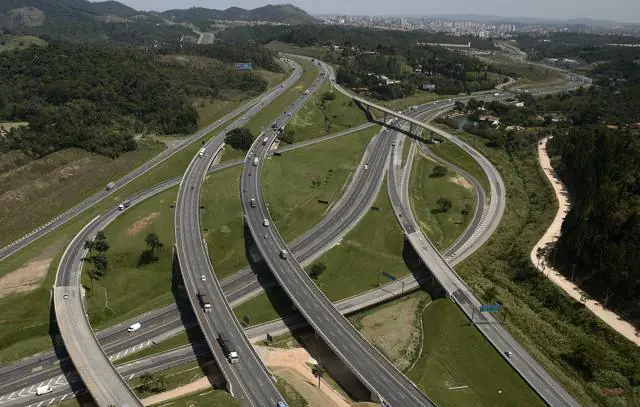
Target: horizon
618,11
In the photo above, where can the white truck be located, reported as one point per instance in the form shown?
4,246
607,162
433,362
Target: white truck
255,162
110,186
204,302
134,327
202,152
124,205
228,348
42,390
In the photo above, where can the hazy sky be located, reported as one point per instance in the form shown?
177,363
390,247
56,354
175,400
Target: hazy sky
618,10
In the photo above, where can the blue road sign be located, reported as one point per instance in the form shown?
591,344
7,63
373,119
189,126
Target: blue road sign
243,66
491,308
389,276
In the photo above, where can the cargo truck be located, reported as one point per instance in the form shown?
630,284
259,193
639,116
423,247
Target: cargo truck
202,152
110,186
124,205
204,302
227,347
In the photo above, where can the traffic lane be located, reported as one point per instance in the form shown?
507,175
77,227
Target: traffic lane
322,313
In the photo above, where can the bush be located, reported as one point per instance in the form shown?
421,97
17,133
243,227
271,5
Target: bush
240,138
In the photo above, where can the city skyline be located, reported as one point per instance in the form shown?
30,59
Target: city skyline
623,11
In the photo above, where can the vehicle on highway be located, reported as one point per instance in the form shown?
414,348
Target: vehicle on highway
42,390
366,167
274,125
227,347
306,92
284,253
264,140
203,278
255,162
265,222
496,94
508,353
202,152
288,113
110,186
124,205
253,202
134,327
281,404
65,296
204,302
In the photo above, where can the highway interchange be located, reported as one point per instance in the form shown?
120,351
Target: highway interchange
317,243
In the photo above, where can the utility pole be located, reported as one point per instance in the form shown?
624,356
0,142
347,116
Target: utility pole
573,269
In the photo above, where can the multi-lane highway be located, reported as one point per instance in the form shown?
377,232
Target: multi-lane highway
61,219
303,239
243,285
247,378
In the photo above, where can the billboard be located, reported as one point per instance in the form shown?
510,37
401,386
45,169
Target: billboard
243,66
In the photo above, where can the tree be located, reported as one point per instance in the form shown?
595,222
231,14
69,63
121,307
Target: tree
444,204
100,262
439,171
240,138
93,275
465,211
154,244
89,245
318,371
459,106
317,269
147,380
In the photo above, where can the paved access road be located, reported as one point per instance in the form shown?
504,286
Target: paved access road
63,218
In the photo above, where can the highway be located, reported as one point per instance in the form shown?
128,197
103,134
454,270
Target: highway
371,367
248,379
63,218
530,370
242,285
91,362
98,374
366,125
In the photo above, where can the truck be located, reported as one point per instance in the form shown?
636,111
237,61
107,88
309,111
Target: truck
124,205
306,92
274,125
42,390
284,253
255,162
134,327
204,302
202,152
110,186
227,347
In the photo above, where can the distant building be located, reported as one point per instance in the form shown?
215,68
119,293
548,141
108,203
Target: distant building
494,121
429,87
518,104
514,128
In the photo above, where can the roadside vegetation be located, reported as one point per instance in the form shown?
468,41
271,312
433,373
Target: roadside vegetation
443,201
584,354
327,112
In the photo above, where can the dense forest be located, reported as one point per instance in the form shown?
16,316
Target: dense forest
587,48
364,38
96,97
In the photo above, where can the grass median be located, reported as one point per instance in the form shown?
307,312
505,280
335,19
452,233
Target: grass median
452,153
294,183
442,227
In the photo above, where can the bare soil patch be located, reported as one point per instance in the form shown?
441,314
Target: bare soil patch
460,180
393,330
28,277
142,224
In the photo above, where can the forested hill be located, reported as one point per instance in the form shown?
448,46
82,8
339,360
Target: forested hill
96,97
599,159
281,13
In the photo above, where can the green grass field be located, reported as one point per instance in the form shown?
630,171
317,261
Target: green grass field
442,228
418,98
131,289
313,52
455,354
294,182
21,41
320,117
291,396
455,155
272,304
177,341
222,221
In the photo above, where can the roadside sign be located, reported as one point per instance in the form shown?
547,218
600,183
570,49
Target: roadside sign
389,276
491,308
243,66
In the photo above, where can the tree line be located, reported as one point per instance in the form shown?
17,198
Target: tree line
96,97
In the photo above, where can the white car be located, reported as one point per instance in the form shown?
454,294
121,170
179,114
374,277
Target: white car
203,278
508,353
265,222
42,390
